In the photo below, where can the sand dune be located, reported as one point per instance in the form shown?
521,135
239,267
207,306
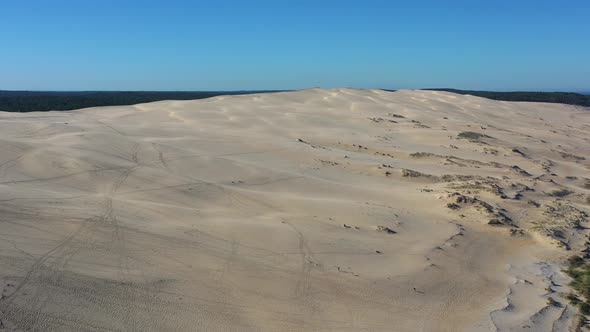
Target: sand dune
315,210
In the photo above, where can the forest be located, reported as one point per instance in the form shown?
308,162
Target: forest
570,98
31,101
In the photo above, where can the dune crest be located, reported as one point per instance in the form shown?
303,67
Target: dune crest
327,210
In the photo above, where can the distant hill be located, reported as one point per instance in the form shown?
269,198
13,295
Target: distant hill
30,101
544,97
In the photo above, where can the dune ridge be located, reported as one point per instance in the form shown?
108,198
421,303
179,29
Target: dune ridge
324,210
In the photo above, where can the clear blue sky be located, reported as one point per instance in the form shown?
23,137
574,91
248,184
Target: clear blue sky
232,45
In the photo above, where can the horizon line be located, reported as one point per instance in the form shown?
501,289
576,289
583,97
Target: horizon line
584,92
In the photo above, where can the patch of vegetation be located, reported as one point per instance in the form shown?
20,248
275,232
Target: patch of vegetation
422,154
472,135
412,174
495,221
560,193
515,150
459,177
570,156
579,271
533,203
453,206
385,230
573,299
397,116
559,219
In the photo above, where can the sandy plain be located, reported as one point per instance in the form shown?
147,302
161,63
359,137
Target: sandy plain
313,210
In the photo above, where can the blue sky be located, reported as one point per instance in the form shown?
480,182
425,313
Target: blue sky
234,45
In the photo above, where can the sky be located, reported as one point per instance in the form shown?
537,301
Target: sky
258,44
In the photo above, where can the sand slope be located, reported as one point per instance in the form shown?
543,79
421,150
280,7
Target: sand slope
315,210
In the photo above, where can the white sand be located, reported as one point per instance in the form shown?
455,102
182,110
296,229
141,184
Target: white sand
260,213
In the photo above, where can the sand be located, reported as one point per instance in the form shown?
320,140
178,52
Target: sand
314,210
